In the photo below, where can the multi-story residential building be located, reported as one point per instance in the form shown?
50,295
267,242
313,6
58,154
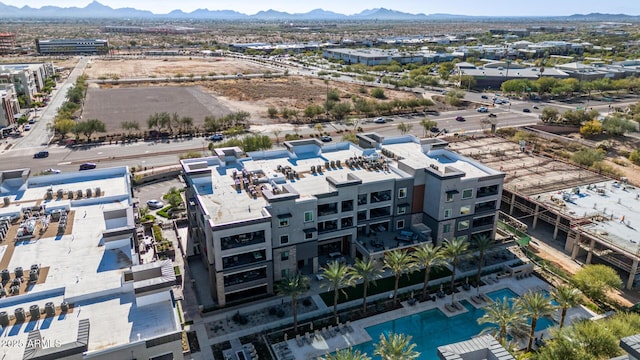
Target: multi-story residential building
76,287
9,106
72,47
257,218
7,43
28,79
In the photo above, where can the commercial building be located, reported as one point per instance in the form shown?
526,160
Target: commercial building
7,43
73,284
591,216
492,75
256,218
72,47
9,105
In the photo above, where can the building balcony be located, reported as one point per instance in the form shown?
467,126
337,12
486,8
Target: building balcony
376,243
243,259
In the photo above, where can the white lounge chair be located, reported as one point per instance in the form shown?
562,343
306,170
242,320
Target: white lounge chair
299,341
348,325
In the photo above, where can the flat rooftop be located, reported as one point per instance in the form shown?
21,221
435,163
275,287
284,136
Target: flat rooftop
81,265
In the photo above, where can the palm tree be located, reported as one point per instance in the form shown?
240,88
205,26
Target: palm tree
335,278
293,286
452,250
536,305
482,242
566,297
346,354
399,262
508,317
367,271
395,347
428,256
427,124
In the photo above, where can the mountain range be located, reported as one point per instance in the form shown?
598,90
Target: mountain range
98,10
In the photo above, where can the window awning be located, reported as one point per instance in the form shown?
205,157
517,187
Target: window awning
309,230
284,216
452,192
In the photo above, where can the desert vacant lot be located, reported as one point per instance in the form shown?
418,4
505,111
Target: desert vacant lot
113,106
170,66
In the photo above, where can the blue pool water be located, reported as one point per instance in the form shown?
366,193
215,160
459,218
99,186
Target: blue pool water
431,329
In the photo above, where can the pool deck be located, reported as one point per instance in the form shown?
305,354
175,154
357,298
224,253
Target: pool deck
321,345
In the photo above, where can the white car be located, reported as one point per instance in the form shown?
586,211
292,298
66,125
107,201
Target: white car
53,171
380,120
155,204
482,109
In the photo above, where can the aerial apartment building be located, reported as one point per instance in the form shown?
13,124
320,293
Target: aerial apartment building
7,43
74,286
28,79
256,218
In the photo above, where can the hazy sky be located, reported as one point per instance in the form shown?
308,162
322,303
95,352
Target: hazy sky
462,7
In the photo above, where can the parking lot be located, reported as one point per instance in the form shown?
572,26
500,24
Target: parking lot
155,191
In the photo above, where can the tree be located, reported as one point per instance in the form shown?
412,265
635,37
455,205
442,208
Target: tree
399,262
346,354
566,297
428,256
617,126
587,156
549,114
334,276
276,132
427,124
595,280
536,305
454,97
340,110
509,317
63,127
482,243
452,250
404,128
591,128
88,127
368,271
293,286
130,125
396,347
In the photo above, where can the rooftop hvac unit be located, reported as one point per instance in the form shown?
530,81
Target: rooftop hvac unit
313,169
70,195
60,194
35,267
34,310
49,195
3,292
19,272
89,192
98,191
49,309
33,276
19,314
4,318
338,163
6,200
64,306
14,290
6,275
79,194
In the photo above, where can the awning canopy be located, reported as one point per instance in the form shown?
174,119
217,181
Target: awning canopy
452,191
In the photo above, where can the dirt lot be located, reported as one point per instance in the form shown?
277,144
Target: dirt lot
170,66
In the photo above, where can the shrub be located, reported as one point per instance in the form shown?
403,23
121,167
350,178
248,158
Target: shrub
588,157
634,156
378,93
157,233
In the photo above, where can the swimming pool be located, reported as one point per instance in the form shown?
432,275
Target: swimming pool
431,329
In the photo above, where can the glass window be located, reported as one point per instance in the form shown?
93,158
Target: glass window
400,224
467,193
379,196
362,199
462,238
402,193
284,256
347,205
327,209
284,239
308,235
284,273
449,197
463,225
401,210
446,228
464,210
284,222
447,213
308,216
362,215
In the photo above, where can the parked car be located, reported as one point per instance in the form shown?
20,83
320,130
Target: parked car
155,204
527,110
460,118
482,109
380,120
492,115
27,127
87,166
484,97
216,137
41,154
326,138
52,171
